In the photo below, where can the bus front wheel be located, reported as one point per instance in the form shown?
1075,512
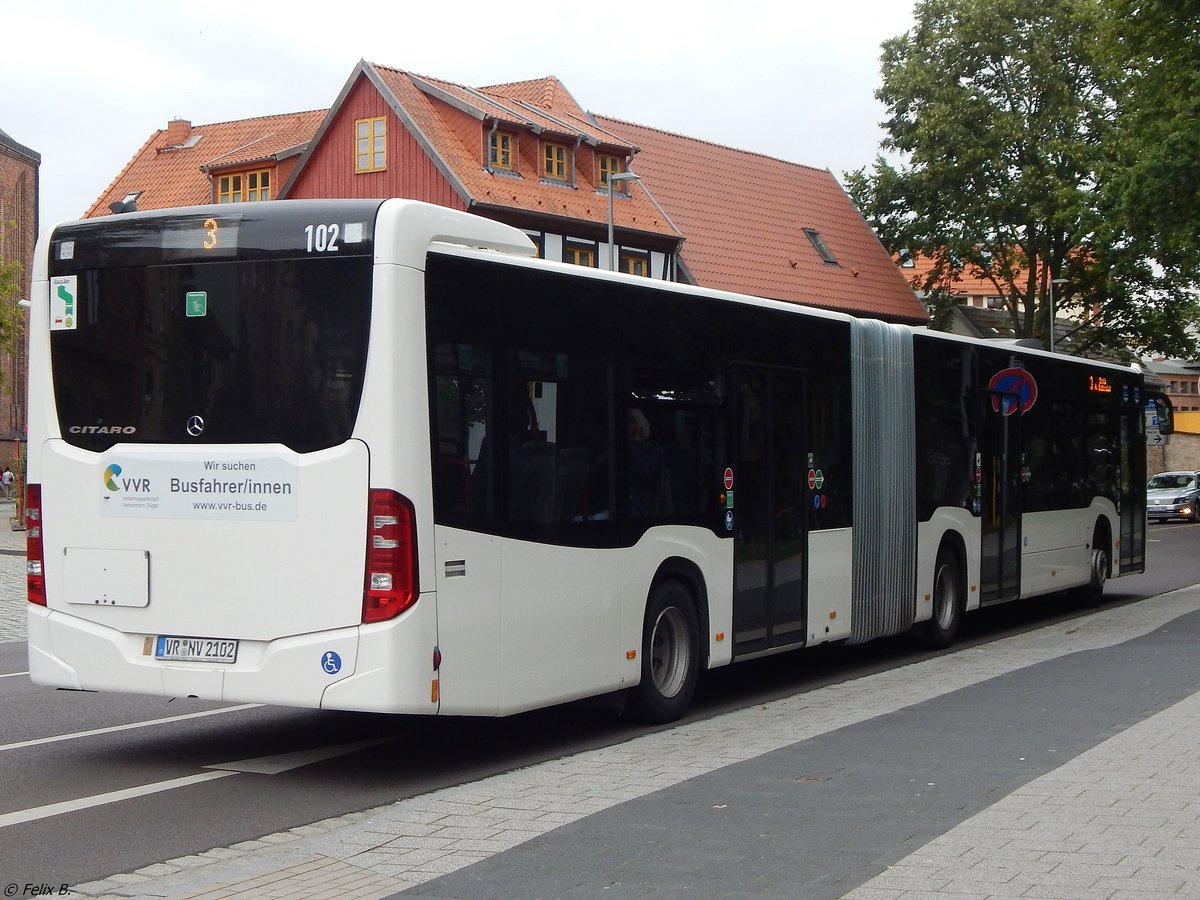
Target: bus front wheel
670,655
1092,593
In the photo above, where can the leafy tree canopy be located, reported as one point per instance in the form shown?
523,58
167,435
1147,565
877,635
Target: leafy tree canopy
1155,183
1005,123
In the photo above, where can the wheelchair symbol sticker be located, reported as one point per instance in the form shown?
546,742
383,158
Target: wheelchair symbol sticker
331,663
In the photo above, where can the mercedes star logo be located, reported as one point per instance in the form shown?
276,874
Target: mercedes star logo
195,426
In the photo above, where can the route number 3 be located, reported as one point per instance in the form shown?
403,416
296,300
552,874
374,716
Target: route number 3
322,238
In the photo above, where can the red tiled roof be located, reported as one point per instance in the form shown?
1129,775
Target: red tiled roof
744,217
169,169
545,93
964,283
436,117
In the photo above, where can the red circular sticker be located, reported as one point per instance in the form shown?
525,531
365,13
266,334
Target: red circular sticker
812,478
729,479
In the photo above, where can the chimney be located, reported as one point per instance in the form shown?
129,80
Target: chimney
178,131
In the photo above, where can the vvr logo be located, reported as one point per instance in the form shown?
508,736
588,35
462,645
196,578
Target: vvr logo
137,485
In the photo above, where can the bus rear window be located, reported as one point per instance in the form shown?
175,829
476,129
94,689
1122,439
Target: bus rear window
260,351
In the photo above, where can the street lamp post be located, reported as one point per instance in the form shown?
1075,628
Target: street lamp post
612,250
1053,282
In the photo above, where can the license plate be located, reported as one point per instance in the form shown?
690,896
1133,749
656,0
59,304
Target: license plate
192,649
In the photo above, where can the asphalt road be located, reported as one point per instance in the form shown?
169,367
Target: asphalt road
96,784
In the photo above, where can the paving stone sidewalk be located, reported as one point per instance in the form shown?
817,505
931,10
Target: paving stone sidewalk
12,577
1046,839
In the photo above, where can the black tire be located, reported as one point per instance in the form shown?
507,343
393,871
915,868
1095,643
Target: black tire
670,656
949,600
1093,593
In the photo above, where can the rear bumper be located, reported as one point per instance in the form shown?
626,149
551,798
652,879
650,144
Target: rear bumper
371,668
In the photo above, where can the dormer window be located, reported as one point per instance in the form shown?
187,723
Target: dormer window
607,164
502,146
555,165
370,144
243,187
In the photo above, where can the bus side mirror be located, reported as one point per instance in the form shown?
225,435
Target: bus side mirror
1163,413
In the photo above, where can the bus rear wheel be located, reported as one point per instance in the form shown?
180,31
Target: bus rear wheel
949,599
670,656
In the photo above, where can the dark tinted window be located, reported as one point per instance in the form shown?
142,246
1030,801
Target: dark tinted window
264,351
563,408
945,427
522,399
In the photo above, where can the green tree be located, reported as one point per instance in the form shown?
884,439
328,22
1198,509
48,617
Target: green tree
1154,187
1002,117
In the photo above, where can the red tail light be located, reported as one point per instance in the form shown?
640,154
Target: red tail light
35,576
391,582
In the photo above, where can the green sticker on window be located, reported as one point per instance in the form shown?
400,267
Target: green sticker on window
196,304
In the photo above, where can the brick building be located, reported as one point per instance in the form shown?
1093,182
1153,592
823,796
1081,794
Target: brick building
18,235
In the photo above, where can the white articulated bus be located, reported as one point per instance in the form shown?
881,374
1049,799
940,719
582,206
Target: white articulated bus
374,455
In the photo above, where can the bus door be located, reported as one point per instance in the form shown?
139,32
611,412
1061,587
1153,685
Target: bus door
770,541
1131,495
998,473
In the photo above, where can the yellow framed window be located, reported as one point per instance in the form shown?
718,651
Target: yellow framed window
370,144
229,189
554,161
258,185
635,264
607,164
240,187
580,254
502,147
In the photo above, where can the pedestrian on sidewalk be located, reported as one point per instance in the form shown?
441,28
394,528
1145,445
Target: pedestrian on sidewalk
6,483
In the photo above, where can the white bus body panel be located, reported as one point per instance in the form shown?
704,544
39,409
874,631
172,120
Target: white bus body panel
288,591
1056,546
208,576
394,410
524,625
385,667
830,555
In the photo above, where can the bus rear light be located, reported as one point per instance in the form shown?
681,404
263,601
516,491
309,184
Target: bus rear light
391,574
35,575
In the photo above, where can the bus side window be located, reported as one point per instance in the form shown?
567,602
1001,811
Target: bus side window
557,440
463,413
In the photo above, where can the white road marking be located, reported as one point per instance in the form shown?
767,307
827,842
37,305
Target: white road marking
13,674
37,742
263,765
57,809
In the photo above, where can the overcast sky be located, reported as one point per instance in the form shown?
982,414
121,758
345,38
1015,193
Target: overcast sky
85,84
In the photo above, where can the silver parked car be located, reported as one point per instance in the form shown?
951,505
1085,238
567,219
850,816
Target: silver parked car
1173,495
